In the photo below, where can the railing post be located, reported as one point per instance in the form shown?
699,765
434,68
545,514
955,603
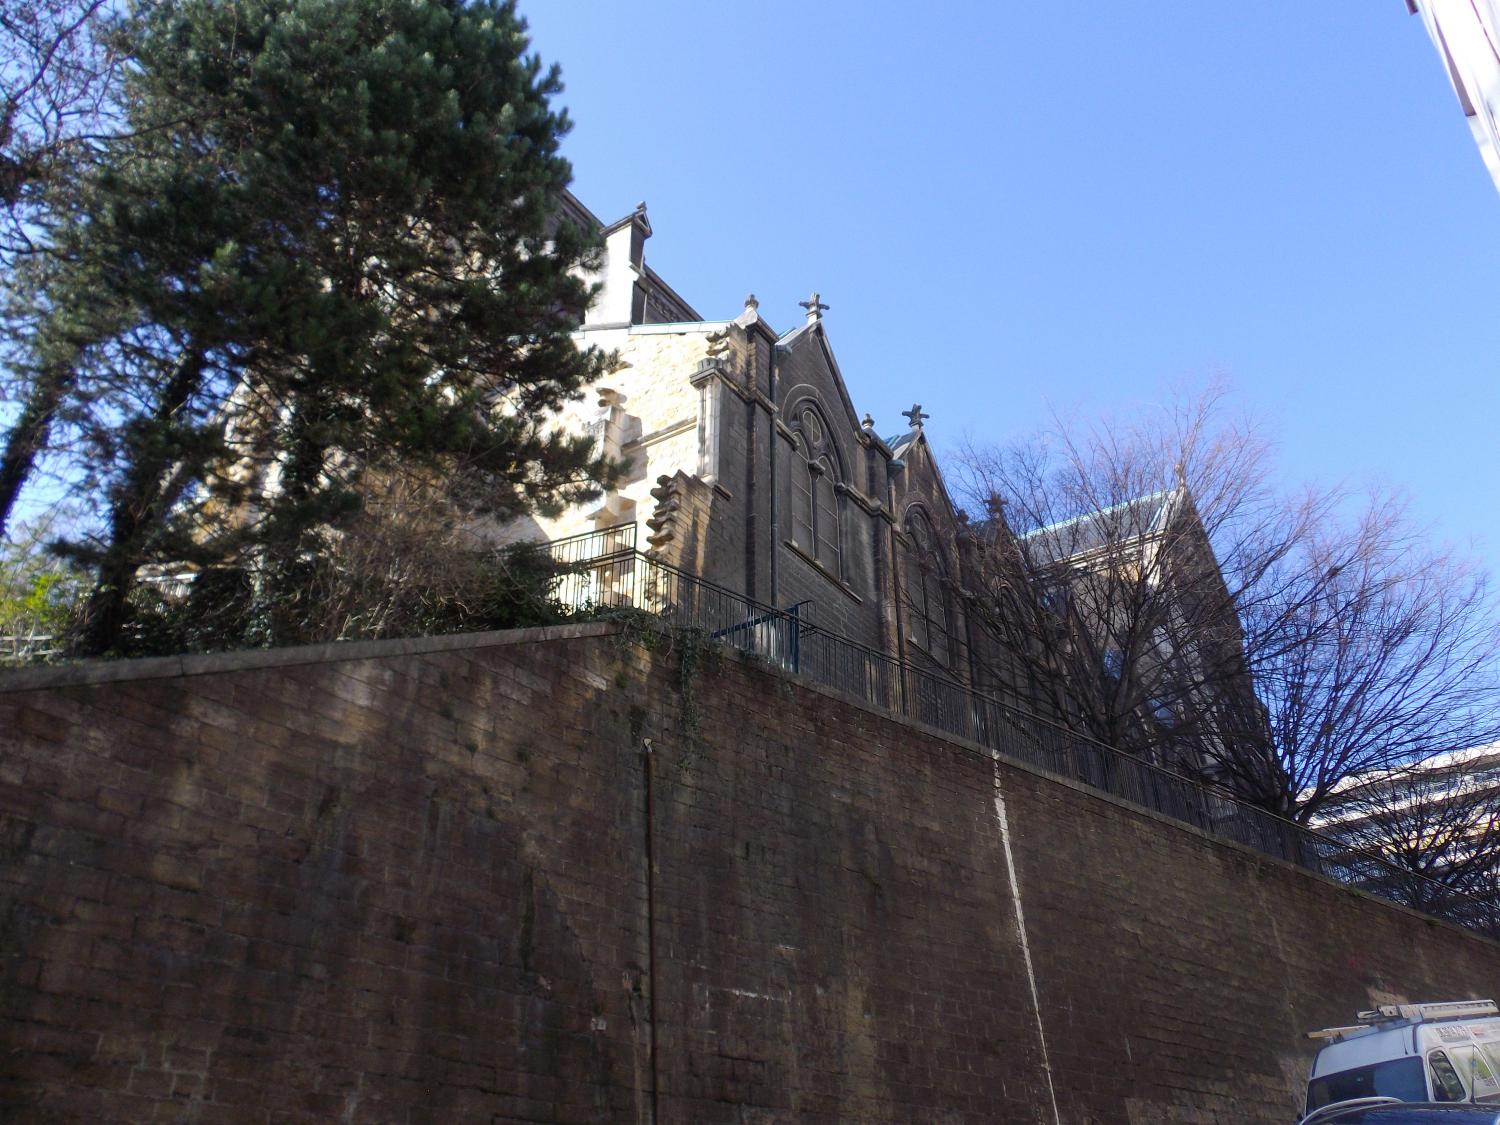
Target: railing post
795,649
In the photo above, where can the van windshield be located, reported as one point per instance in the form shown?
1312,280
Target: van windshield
1399,1078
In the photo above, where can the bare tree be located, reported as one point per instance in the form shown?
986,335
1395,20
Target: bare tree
1161,596
1389,656
57,100
59,104
411,562
1426,834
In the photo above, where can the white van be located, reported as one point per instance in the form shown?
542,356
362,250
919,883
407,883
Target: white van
1448,1052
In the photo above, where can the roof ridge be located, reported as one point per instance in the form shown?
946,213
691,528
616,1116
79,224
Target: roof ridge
1098,512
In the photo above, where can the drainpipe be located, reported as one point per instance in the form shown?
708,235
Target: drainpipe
965,558
892,467
647,758
773,600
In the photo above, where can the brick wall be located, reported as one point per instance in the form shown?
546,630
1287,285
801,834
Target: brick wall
441,880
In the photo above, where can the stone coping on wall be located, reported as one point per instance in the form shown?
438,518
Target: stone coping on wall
166,667
201,664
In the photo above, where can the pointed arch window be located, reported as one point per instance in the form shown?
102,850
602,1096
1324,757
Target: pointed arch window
802,496
816,492
926,581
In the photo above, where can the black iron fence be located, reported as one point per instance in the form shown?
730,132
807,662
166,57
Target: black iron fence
593,546
619,576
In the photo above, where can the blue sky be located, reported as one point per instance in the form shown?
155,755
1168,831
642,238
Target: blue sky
1014,207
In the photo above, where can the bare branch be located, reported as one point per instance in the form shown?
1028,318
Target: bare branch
57,100
1434,828
1165,598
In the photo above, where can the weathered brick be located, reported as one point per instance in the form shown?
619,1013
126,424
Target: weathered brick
417,886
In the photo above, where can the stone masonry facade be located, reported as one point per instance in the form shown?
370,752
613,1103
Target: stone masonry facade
794,498
581,875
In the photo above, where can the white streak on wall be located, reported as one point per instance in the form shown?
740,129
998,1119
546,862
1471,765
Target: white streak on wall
1015,897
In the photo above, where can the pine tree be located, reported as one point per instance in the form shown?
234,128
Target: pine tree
330,243
59,76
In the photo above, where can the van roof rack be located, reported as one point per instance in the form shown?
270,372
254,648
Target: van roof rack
1415,1013
1337,1032
1447,1010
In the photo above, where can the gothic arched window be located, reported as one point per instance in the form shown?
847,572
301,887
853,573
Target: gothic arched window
815,491
926,593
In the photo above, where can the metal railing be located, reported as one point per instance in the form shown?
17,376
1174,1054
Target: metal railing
591,546
623,578
626,578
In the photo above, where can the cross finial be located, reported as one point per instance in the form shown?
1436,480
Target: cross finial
814,306
915,415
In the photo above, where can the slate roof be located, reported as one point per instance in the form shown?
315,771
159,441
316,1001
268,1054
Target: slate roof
900,443
1120,523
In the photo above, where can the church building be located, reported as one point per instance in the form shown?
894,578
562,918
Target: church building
750,466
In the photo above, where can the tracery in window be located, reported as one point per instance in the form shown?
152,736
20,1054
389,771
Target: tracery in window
802,496
815,492
926,594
